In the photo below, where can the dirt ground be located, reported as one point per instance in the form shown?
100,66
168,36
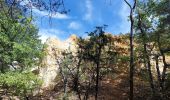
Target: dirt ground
109,89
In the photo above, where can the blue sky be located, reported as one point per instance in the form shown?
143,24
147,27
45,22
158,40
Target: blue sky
84,15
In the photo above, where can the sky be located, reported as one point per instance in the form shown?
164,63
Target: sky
83,17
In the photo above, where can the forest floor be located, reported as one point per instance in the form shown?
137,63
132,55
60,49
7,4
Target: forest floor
116,88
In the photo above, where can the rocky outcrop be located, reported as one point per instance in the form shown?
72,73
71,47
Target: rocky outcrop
50,68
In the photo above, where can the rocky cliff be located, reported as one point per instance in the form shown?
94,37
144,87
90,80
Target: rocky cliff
49,69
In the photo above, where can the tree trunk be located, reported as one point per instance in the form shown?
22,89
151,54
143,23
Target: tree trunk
132,8
76,79
87,91
164,71
2,67
97,72
131,58
65,88
158,71
150,76
164,62
145,53
77,75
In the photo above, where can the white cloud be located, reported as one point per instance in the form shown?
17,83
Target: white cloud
124,13
74,25
46,33
52,15
89,7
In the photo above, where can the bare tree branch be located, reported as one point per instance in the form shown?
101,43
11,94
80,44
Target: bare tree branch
128,4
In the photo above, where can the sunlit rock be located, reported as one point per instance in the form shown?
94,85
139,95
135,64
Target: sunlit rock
50,67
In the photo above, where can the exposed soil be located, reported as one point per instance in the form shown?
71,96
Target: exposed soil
110,89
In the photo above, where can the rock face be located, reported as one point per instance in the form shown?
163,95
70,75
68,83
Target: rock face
50,68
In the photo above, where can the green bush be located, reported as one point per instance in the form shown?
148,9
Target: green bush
19,84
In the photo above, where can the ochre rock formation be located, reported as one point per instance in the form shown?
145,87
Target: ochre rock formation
50,67
49,70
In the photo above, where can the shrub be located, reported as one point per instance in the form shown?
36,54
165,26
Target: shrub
19,84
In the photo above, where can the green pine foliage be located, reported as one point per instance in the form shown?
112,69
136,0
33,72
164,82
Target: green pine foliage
19,41
19,84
